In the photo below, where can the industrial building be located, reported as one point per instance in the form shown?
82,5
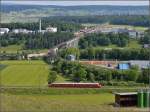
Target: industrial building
123,66
140,64
51,29
25,31
3,30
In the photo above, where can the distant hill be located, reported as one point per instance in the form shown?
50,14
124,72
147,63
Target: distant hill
88,9
31,13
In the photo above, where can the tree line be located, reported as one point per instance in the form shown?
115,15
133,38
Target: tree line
101,39
46,40
61,25
146,38
119,54
78,72
110,54
35,40
135,20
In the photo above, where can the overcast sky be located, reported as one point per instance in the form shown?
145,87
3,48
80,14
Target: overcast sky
73,3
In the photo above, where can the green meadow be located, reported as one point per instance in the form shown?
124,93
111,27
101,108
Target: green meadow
103,102
24,73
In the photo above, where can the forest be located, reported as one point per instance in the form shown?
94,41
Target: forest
92,40
135,20
113,54
35,40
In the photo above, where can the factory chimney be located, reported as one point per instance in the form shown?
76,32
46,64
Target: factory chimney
40,25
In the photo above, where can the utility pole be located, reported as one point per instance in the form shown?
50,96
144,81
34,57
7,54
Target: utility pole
149,54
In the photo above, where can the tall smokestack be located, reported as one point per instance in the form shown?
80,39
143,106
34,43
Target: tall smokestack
40,25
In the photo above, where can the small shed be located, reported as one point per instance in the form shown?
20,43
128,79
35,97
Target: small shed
126,99
71,57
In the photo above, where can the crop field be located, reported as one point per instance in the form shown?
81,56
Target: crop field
24,73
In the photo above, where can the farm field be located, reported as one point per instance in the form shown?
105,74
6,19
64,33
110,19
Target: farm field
102,102
24,73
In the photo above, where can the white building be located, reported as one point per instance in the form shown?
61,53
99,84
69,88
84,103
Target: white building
21,31
51,29
141,64
3,30
132,33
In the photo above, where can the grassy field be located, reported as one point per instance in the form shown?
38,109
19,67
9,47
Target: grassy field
24,73
57,103
62,103
132,44
11,48
19,48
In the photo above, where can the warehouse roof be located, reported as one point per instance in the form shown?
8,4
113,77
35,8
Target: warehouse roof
127,93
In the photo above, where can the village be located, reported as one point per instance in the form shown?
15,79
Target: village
60,62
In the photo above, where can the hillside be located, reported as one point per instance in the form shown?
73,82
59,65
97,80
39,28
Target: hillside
97,9
30,13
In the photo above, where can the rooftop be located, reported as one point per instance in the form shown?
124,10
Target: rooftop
129,93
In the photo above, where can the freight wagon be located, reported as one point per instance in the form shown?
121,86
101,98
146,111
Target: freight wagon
75,85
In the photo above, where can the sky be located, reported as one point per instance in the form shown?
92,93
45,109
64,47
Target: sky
75,3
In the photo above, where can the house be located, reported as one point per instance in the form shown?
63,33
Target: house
3,30
140,34
71,57
132,33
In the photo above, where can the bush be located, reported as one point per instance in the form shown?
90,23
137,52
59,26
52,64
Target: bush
52,77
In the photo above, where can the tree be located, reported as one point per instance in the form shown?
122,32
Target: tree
91,53
108,75
146,38
91,77
74,51
52,77
132,75
144,77
80,75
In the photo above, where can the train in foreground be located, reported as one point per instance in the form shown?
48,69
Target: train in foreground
75,85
